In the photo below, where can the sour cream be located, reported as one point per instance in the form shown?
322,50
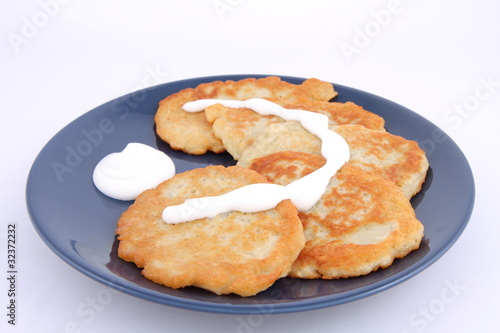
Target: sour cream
124,175
304,192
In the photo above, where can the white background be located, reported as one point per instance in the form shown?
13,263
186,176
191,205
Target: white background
60,59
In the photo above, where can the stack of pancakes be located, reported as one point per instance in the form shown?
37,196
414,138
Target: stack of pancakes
363,221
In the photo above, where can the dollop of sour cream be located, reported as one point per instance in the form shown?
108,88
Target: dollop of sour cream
124,175
304,192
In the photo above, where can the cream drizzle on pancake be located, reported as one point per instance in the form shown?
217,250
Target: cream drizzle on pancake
304,192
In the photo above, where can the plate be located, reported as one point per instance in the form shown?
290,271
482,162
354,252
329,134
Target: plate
78,222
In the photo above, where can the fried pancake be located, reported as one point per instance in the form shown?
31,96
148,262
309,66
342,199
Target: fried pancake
282,136
286,166
361,223
234,252
238,128
390,156
318,90
341,113
192,133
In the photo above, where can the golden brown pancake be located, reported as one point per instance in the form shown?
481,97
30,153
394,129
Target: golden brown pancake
318,90
361,223
286,166
192,133
282,136
341,113
390,156
241,253
239,127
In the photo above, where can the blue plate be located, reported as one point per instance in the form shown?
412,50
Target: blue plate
78,223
